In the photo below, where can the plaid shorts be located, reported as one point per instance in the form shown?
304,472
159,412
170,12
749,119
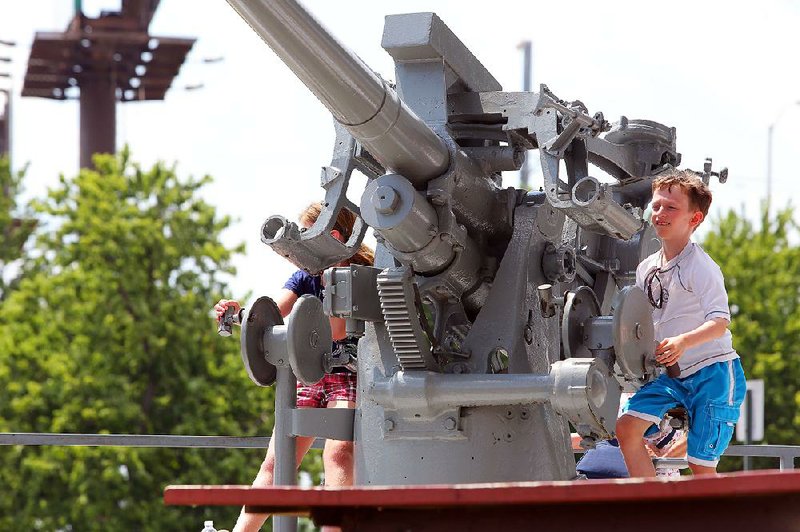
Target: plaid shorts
332,387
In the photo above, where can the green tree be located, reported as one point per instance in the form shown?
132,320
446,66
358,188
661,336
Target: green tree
109,332
761,264
16,225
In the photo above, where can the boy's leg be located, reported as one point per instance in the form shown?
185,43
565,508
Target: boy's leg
645,409
630,434
697,469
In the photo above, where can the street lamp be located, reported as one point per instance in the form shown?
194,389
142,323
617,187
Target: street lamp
770,131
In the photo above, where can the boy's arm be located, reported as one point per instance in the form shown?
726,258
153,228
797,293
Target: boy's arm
671,349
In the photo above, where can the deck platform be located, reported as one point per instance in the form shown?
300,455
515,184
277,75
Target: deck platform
760,500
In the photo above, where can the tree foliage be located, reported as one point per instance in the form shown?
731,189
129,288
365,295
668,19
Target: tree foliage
16,225
109,332
761,264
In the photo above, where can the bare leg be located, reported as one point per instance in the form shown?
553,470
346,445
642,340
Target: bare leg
337,458
630,433
252,522
698,469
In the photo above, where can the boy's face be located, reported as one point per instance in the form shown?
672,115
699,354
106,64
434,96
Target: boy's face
673,216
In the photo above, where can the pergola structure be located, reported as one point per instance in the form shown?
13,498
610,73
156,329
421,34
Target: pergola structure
108,59
5,123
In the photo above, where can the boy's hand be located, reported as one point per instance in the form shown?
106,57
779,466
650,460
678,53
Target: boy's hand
671,349
223,304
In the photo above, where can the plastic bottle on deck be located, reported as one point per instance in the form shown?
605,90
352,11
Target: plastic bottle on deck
208,526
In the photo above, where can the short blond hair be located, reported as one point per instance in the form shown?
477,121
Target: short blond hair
698,192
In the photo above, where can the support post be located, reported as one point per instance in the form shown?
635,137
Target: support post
285,443
748,427
98,103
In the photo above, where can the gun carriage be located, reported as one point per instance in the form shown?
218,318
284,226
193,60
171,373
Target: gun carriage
494,318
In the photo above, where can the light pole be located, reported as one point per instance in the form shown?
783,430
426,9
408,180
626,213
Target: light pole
770,131
527,50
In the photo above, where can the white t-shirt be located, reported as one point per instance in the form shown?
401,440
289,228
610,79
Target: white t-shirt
692,291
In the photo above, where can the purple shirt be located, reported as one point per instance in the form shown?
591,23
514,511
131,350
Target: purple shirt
302,283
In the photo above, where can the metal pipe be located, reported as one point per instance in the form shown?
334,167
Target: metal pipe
356,96
285,472
139,440
434,391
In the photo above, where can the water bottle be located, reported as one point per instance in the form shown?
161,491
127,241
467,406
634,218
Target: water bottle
208,526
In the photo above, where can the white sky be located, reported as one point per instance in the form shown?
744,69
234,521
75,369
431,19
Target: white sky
720,72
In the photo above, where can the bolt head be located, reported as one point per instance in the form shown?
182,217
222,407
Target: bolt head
385,199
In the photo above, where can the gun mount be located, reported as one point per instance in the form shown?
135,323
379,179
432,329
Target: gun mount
494,318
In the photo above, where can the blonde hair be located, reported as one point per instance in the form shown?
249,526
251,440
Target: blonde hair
344,224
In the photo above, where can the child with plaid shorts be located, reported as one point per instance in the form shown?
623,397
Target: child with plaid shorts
335,390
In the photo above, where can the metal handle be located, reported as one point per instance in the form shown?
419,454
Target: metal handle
230,317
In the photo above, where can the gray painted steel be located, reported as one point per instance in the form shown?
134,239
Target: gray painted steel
331,423
315,248
308,339
470,373
285,473
355,95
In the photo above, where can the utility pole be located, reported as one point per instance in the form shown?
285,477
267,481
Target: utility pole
108,59
526,47
770,131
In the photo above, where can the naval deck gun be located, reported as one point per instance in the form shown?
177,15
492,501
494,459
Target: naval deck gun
494,318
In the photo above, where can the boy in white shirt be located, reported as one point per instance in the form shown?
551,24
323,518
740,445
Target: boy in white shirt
691,317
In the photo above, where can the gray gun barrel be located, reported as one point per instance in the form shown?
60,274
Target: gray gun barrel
352,92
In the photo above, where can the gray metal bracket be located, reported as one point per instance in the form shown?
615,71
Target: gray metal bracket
352,292
330,423
631,151
446,425
315,249
419,37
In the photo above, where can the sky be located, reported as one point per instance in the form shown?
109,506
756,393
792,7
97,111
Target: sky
720,72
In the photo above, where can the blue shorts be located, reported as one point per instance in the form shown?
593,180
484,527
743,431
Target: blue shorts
712,397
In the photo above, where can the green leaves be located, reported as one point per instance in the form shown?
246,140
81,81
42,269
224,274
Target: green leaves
108,332
16,225
761,264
